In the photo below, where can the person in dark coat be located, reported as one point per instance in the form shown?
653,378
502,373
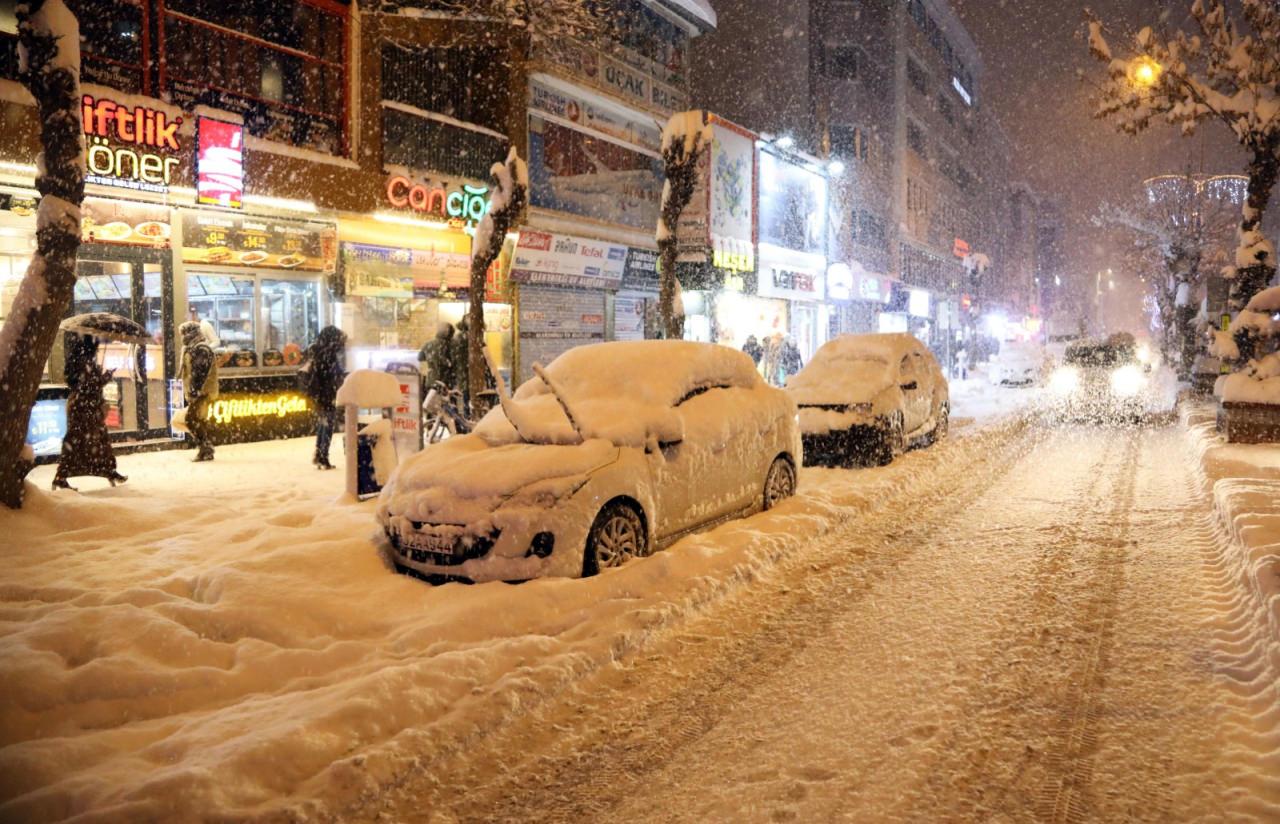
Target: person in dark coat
791,360
461,367
327,364
436,357
199,385
753,349
86,450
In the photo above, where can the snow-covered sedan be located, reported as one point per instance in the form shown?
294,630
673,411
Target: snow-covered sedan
870,396
611,452
1101,380
1019,363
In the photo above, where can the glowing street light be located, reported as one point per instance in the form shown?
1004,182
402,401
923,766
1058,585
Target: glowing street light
1146,73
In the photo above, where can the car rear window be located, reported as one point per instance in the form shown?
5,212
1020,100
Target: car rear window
1100,355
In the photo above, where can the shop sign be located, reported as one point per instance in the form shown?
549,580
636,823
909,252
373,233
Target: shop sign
130,148
918,303
791,275
123,222
840,281
793,205
563,260
219,163
465,203
224,239
391,272
641,271
961,248
236,409
406,417
47,426
630,75
573,171
732,196
580,111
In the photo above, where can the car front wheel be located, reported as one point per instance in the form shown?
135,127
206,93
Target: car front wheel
780,483
616,537
943,425
891,442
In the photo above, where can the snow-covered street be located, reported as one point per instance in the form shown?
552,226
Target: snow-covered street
1024,621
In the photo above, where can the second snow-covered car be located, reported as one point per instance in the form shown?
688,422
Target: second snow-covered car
613,451
1019,363
870,396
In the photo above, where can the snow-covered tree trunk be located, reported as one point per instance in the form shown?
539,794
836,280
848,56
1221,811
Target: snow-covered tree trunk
510,192
683,141
49,50
1255,257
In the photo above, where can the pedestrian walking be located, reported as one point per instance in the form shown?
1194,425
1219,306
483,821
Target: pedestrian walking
435,358
86,449
461,365
792,362
199,386
753,349
326,365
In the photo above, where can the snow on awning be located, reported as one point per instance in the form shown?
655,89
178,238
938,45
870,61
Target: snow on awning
700,10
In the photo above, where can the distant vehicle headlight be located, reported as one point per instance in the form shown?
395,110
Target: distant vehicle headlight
1144,353
1064,380
1127,381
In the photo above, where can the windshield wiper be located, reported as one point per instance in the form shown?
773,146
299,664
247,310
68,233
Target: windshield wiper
568,413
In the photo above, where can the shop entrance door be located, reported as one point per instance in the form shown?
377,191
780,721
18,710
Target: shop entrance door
136,284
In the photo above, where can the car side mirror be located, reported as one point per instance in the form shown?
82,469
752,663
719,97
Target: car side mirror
668,446
910,387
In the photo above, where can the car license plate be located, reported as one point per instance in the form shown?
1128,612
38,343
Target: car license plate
439,544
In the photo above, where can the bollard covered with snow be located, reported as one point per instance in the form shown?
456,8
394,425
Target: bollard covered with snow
368,389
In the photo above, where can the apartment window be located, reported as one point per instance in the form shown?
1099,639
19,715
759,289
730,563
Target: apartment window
841,62
281,66
417,77
849,142
917,76
868,229
915,139
944,109
113,35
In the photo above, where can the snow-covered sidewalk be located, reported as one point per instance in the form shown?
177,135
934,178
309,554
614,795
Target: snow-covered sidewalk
1244,480
225,638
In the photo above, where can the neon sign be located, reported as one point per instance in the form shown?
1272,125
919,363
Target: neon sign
219,162
133,165
468,204
228,410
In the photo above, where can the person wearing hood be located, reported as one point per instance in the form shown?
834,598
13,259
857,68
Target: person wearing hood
791,362
199,385
461,366
436,357
327,356
753,349
86,449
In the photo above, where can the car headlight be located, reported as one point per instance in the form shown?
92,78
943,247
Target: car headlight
1065,380
1144,353
1127,381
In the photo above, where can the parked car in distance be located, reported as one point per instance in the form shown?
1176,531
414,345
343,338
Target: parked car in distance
870,397
1101,380
613,451
1018,363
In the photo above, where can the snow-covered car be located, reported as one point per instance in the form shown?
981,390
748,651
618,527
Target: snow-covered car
870,397
613,451
1101,380
1019,363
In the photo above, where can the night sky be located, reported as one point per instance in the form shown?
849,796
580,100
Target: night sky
1034,51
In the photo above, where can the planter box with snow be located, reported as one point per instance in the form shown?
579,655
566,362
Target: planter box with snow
1243,422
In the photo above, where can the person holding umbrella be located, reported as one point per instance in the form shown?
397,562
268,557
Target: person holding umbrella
86,449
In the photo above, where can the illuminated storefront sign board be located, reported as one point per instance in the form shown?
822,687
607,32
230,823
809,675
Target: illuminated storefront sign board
468,203
219,163
129,147
235,410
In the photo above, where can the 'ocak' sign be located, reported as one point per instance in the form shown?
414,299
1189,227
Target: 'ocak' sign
467,204
129,147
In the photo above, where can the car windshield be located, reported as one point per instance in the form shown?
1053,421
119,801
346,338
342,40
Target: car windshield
1101,354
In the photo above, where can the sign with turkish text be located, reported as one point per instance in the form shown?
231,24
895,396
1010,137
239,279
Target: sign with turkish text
791,275
226,239
544,97
219,163
641,271
732,197
453,201
47,426
961,248
124,222
129,147
392,272
563,260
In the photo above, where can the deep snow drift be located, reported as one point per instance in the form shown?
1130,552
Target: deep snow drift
225,637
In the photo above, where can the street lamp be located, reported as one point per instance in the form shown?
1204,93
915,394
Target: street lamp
1146,72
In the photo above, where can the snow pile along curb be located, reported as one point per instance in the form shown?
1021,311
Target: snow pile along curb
1244,481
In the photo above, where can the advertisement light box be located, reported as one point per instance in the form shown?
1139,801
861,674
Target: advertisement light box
219,163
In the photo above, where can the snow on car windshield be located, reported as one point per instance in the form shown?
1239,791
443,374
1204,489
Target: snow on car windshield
623,392
1100,354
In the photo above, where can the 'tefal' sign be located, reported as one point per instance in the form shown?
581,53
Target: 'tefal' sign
219,163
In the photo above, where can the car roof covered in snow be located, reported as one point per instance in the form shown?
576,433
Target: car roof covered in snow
624,391
887,347
852,368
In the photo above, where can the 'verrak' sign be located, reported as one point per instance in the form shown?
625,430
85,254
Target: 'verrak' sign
129,147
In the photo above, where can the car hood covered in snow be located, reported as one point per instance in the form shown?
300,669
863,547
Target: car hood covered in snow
836,381
463,479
